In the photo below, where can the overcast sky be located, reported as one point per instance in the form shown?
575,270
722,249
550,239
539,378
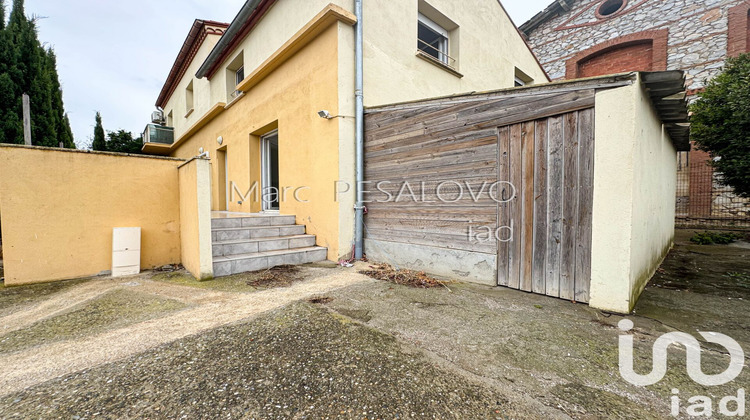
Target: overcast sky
114,56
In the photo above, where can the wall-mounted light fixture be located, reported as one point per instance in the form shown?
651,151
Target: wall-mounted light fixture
220,140
327,115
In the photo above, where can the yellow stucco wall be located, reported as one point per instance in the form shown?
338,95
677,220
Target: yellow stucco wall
288,99
315,152
195,218
486,44
58,209
634,185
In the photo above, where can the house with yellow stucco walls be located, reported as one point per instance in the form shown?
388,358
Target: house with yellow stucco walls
422,132
270,98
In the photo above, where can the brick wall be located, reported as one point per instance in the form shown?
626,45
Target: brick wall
695,36
617,60
738,32
698,34
641,51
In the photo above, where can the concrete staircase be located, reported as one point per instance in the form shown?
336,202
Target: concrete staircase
252,242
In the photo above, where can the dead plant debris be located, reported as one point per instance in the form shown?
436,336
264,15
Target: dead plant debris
320,300
279,276
403,277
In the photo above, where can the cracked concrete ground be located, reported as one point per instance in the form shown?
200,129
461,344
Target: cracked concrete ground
369,349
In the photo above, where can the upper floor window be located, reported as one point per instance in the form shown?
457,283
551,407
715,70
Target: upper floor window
239,76
235,75
189,101
433,39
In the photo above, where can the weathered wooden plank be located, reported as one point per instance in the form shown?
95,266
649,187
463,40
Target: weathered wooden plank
554,205
515,210
433,149
422,141
583,84
503,214
527,204
570,206
457,242
429,208
486,165
528,111
406,166
540,208
383,218
468,229
467,191
585,204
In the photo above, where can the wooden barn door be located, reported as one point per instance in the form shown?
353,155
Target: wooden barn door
550,162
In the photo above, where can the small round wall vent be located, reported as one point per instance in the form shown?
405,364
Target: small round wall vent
610,8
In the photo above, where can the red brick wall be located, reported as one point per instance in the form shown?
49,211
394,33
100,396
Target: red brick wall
739,29
639,51
620,59
701,183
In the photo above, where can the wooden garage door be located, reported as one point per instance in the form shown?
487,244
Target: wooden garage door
550,164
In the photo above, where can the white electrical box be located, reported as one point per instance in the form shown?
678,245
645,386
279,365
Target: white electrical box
126,251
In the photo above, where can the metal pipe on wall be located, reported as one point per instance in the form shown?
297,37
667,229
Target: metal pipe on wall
360,132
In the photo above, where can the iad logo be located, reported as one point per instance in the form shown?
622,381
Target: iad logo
702,406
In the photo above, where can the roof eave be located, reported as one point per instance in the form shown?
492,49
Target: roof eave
180,62
551,11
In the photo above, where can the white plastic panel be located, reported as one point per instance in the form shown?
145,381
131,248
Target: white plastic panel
126,251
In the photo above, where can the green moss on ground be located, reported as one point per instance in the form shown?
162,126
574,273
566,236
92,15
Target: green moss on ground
15,296
236,283
297,362
115,309
248,282
581,401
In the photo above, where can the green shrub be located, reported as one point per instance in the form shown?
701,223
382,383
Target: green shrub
715,238
721,123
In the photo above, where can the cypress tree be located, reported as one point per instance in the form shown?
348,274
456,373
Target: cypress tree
66,137
27,67
10,124
99,143
60,124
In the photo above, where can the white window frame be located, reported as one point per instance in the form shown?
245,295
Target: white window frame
265,169
237,79
520,82
444,48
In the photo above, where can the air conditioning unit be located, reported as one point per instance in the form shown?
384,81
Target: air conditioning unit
157,117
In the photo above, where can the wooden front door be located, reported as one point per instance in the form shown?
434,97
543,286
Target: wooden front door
549,163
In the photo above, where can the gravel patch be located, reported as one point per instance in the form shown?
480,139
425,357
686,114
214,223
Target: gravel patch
114,309
297,362
12,298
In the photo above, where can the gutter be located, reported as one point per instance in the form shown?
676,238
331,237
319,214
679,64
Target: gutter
359,208
234,28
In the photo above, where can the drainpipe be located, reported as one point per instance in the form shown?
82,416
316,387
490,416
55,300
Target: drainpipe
359,208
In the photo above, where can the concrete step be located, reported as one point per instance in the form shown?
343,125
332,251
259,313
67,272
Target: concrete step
249,246
235,264
251,221
245,233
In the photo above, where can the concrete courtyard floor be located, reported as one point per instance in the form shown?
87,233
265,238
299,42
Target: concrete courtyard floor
337,344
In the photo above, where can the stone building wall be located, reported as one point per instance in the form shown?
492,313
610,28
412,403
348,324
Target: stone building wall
697,40
595,37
